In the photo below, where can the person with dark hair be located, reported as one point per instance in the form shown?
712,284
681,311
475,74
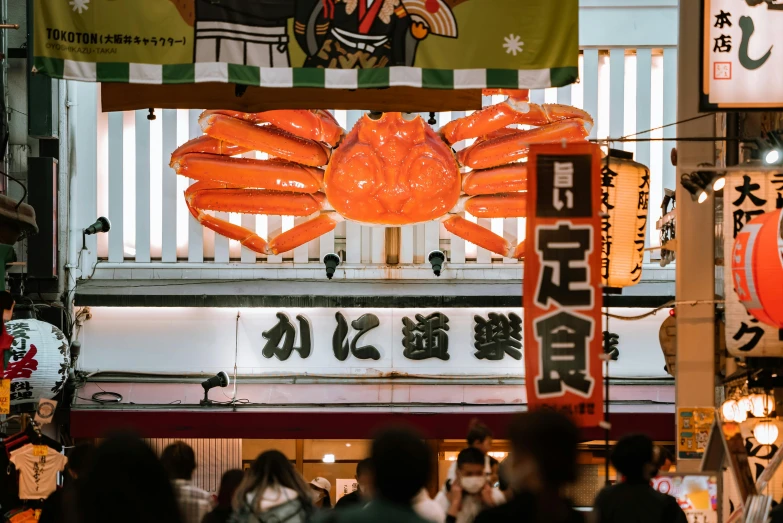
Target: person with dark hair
664,459
364,478
272,490
402,468
228,487
494,472
634,499
179,461
126,483
469,493
60,506
7,309
542,462
479,437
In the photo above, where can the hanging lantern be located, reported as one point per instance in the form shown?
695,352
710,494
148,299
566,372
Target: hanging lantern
626,194
766,432
37,363
757,268
761,405
730,410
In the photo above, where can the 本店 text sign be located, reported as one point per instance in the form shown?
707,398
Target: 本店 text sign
562,284
743,58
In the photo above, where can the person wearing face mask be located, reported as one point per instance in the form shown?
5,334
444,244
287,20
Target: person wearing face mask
542,462
360,496
321,488
469,493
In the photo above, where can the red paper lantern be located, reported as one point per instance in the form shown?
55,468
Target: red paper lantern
757,268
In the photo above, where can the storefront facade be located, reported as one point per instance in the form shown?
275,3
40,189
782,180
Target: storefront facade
162,303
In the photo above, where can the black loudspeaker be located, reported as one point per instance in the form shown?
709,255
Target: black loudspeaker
42,195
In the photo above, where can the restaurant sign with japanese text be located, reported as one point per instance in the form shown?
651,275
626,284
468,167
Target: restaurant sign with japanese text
340,44
742,56
562,284
747,195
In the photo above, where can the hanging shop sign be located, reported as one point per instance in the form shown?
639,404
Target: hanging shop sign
340,44
562,284
624,206
747,197
743,66
342,342
38,361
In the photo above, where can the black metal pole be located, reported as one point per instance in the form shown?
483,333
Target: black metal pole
606,399
732,139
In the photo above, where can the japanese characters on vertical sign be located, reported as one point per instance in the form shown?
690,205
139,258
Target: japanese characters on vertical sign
747,195
562,284
741,62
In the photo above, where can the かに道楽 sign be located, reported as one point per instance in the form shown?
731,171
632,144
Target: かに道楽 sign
562,284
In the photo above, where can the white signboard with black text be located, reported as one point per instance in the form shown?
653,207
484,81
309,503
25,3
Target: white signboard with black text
747,195
336,342
743,55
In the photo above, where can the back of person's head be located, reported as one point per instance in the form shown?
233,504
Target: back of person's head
271,469
228,486
550,439
80,459
477,433
402,464
125,483
470,456
364,467
179,460
632,456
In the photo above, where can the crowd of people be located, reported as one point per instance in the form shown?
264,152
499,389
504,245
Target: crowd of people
123,481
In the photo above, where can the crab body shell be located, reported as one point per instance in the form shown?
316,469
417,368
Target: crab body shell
391,169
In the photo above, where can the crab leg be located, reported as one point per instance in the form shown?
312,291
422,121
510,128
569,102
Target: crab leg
221,197
483,237
317,125
207,145
507,178
510,205
303,233
274,175
477,234
513,147
268,139
202,196
511,111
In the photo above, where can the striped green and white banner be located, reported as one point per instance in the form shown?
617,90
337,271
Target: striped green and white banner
305,77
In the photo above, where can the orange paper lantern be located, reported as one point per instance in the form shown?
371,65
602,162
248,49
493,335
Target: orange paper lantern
757,268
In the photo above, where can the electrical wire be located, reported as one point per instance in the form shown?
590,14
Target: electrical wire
669,125
24,188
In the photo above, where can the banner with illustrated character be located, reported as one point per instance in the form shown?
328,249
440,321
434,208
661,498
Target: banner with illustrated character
340,44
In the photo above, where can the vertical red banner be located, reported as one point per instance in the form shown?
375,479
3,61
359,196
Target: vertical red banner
562,294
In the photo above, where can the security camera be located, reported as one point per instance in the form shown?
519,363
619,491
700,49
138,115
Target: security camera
331,261
436,259
102,224
218,380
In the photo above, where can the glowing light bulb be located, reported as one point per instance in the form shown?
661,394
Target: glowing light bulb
730,410
719,183
772,156
766,432
761,405
703,196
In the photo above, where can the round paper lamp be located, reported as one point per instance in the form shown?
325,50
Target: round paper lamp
38,361
625,201
757,268
761,405
766,432
730,410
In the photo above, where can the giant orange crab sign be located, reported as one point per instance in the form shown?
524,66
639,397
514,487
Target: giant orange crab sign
390,169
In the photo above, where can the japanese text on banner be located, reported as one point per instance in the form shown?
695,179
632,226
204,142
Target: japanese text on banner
746,196
562,291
